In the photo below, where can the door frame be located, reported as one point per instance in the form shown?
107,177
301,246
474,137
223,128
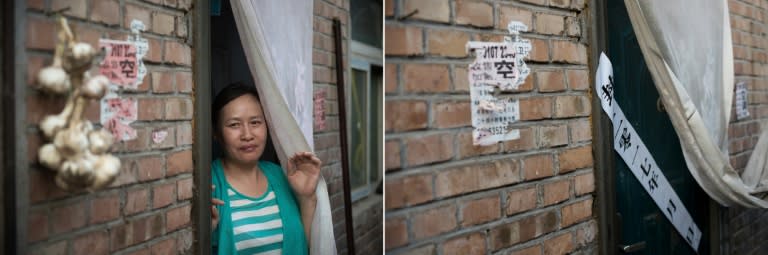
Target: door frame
15,166
602,149
202,144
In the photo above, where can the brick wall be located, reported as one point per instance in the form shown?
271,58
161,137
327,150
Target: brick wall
533,195
147,209
745,230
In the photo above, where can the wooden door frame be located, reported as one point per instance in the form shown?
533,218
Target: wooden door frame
202,144
602,147
15,166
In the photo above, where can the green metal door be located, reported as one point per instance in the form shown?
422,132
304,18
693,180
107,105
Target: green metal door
639,219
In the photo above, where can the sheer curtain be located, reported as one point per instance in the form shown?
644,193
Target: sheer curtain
687,47
277,39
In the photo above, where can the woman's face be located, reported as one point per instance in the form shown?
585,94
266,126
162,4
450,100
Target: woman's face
243,129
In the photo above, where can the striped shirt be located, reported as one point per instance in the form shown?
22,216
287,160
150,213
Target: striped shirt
256,223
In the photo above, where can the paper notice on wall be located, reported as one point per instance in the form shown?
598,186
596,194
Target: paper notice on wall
742,109
498,66
142,48
632,150
319,106
120,62
117,114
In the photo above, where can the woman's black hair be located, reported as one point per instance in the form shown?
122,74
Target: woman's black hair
226,95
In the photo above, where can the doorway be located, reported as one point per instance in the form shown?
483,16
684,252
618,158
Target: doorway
631,223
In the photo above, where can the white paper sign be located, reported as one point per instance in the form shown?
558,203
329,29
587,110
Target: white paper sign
497,66
630,147
742,111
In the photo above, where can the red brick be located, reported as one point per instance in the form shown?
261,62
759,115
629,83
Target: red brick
533,250
539,50
504,235
584,183
184,189
406,41
37,222
155,53
581,130
141,142
146,228
480,210
537,225
434,221
478,14
40,105
180,162
34,64
562,244
57,248
429,10
513,13
178,109
120,236
560,3
163,82
36,4
468,149
184,82
77,8
105,209
150,109
460,79
550,136
426,78
182,27
405,115
396,233
464,179
538,166
575,158
521,200
184,134
525,142
389,8
150,168
392,154
163,195
162,23
572,106
550,81
167,246
142,251
42,186
463,245
448,43
586,234
390,78
535,108
556,192
177,53
576,212
136,201
549,24
408,191
569,52
135,12
177,218
106,11
168,141
450,114
96,242
74,215
44,37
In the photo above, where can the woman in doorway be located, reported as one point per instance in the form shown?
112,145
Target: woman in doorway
257,209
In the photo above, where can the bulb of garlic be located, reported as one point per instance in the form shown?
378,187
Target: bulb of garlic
100,141
70,142
78,56
54,80
107,167
95,87
49,156
52,124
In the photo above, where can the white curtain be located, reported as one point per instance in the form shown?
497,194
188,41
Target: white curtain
277,39
687,47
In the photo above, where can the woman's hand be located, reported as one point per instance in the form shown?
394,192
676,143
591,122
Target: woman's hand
303,174
214,211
